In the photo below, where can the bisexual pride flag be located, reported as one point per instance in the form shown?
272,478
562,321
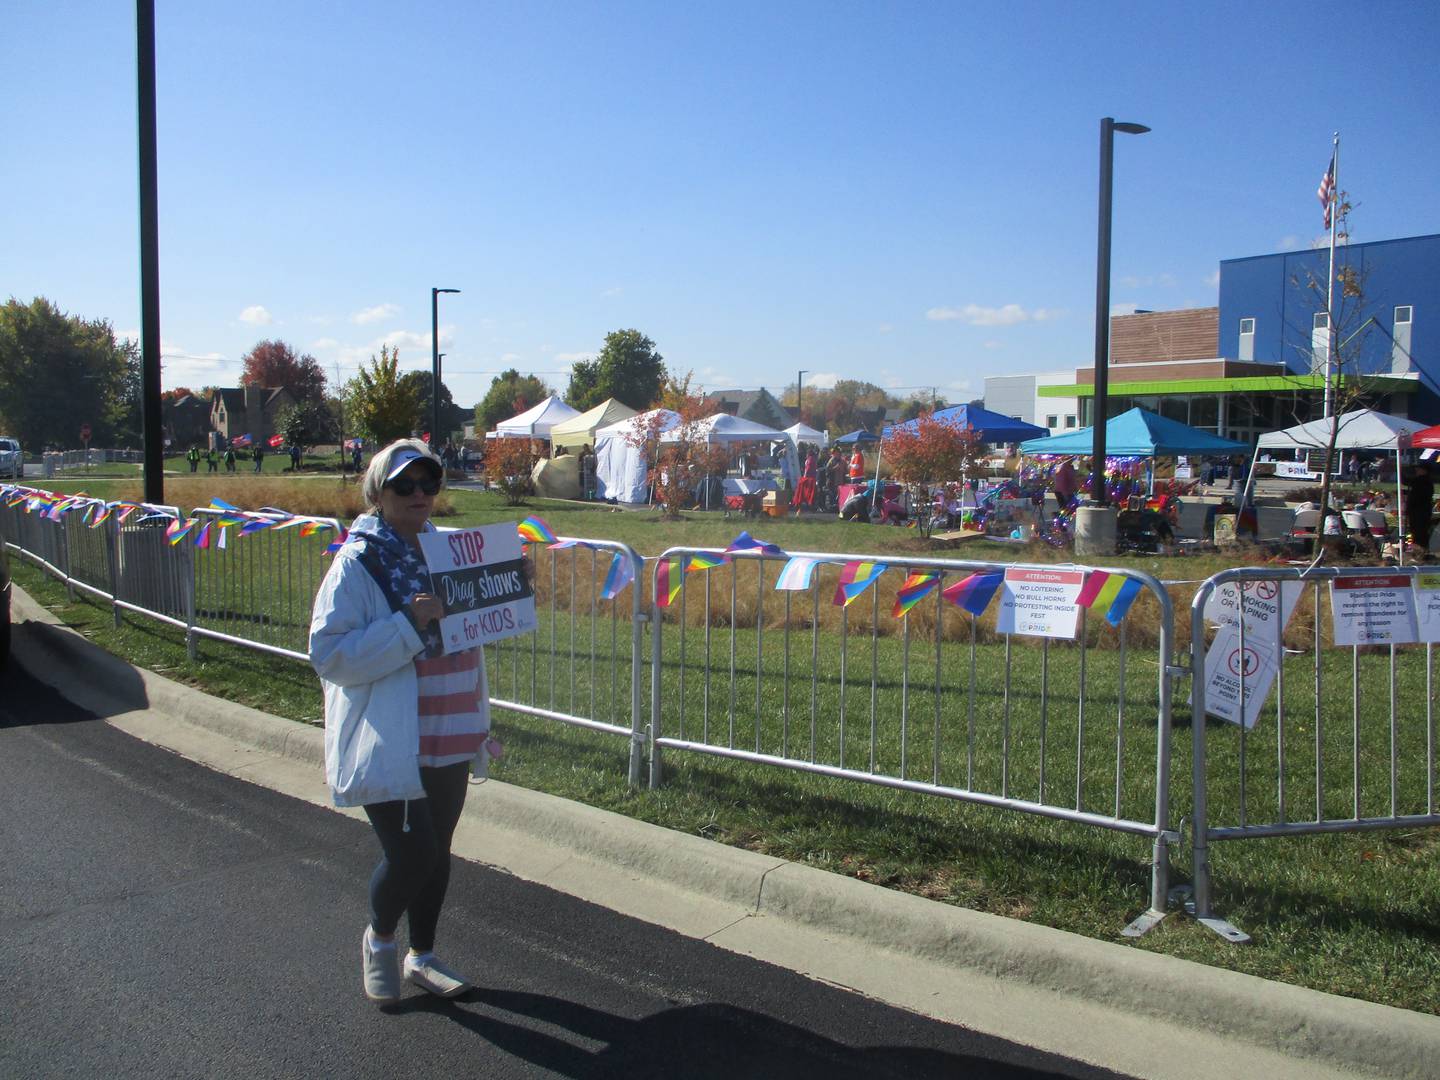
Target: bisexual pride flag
974,593
855,578
1108,594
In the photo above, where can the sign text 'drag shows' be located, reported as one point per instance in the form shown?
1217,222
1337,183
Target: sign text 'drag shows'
479,576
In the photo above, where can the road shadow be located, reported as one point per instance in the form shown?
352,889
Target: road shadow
714,1041
94,682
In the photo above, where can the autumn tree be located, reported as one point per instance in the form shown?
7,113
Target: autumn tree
275,363
627,368
452,417
380,402
58,371
931,453
508,465
510,393
672,443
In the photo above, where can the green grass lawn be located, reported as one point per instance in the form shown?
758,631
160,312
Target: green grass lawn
1352,914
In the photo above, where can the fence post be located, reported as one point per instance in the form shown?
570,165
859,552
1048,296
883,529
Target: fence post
64,524
1160,857
112,554
637,648
656,627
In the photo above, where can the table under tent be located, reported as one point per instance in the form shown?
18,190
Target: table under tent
723,429
1360,429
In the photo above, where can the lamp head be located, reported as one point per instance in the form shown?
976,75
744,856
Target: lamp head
1131,129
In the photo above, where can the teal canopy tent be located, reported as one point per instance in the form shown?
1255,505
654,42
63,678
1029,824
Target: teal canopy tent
1138,433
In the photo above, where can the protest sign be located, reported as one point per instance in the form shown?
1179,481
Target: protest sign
1040,603
1224,661
1264,602
1376,609
1427,606
479,576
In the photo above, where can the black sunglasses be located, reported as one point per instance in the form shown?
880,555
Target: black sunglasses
404,486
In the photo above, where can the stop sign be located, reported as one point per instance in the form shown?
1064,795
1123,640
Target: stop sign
84,432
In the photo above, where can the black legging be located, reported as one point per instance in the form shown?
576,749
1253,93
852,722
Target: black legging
415,870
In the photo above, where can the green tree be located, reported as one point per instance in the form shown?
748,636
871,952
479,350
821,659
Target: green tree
381,403
59,371
627,369
510,393
452,416
307,424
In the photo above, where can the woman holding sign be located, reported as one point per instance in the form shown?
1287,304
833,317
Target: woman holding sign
403,720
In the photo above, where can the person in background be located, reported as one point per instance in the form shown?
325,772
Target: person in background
258,454
1420,506
1065,483
587,472
229,459
193,457
212,460
404,720
835,476
294,459
355,456
857,466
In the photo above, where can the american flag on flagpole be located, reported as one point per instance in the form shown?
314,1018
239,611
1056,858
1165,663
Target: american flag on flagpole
1326,191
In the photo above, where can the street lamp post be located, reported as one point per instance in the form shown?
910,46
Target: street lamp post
1108,127
800,396
435,364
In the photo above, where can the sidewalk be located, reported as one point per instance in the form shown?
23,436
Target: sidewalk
1112,1005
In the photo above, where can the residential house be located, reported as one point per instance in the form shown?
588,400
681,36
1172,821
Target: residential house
248,410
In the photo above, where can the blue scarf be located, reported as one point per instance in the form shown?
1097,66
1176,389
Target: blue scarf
397,568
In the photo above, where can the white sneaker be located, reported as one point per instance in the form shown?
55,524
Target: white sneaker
430,974
381,968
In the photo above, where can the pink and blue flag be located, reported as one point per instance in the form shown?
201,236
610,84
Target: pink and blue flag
974,593
621,574
796,575
855,578
1108,594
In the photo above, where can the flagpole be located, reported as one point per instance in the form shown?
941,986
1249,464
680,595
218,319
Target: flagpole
1330,358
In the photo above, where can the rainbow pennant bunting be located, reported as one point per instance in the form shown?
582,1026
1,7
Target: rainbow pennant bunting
255,525
703,561
669,577
1108,594
746,542
855,578
221,504
797,573
534,531
202,536
177,529
621,574
974,593
917,585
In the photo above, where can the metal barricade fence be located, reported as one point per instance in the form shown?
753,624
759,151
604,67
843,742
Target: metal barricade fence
1057,728
1367,760
575,668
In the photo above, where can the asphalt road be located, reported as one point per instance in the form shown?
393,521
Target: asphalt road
163,919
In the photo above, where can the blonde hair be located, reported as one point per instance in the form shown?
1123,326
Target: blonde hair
380,468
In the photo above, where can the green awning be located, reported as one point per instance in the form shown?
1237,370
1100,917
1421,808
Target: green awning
1380,384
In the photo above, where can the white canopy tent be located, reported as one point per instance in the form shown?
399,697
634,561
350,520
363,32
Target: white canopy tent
1361,429
723,428
804,433
620,465
581,430
536,422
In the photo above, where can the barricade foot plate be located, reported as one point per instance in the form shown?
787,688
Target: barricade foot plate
1142,923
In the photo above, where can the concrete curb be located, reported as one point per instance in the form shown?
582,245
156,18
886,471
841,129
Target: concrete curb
1330,1032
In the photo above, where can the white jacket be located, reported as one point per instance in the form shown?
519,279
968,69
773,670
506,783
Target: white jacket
364,654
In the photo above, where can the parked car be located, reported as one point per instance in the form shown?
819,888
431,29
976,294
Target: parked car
12,462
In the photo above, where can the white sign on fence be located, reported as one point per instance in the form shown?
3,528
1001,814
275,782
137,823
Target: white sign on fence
1294,470
1224,661
479,576
1427,606
1263,604
1040,603
1377,609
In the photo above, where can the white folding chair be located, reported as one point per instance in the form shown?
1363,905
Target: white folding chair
1305,523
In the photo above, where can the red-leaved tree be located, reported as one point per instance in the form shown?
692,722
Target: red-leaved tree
673,445
274,363
932,453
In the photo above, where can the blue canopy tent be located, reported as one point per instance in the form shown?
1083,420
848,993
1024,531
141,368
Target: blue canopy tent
1138,433
992,427
860,435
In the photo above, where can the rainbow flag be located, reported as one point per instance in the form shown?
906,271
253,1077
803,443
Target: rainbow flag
917,585
974,593
621,574
534,531
855,578
1108,594
703,561
176,530
669,577
796,575
746,542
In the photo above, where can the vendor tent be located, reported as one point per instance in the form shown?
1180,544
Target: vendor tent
859,435
580,430
620,465
804,433
1137,433
1428,439
992,427
536,423
723,428
1363,429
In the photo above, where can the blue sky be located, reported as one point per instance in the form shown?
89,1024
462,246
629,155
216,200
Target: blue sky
904,193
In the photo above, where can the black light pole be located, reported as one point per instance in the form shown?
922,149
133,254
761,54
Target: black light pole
799,396
1108,127
151,420
435,364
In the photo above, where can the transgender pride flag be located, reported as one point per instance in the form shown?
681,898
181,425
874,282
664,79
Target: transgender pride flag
797,574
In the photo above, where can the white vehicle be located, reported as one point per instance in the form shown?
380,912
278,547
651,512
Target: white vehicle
12,462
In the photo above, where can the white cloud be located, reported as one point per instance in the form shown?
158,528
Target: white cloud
568,359
1126,307
1288,243
992,345
324,343
979,315
256,315
1213,280
614,290
377,313
822,380
957,384
179,367
1132,281
511,358
884,328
